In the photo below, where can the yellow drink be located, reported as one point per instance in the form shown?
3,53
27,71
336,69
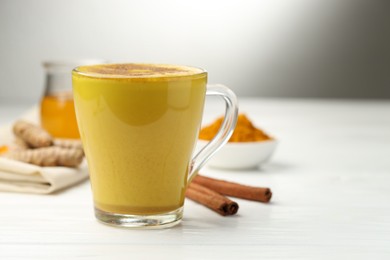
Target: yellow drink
139,124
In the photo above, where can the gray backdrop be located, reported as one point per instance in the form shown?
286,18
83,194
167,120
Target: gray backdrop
267,48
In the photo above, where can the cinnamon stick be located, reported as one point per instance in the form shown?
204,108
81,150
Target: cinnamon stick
234,189
211,199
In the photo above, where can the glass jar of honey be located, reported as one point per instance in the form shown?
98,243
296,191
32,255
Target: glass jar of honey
57,107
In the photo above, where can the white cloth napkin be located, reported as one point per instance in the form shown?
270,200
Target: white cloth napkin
23,177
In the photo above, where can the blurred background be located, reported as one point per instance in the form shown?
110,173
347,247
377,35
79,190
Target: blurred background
266,48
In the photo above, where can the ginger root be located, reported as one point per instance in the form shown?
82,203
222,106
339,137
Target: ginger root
33,135
49,156
19,144
34,145
68,143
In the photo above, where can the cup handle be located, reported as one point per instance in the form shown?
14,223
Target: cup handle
225,131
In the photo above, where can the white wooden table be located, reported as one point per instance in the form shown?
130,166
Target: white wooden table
330,179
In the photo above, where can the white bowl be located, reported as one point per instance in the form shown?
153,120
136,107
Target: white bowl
241,155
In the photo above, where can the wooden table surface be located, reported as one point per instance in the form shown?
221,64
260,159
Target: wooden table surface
330,178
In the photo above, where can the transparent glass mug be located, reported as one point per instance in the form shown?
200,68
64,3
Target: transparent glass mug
139,124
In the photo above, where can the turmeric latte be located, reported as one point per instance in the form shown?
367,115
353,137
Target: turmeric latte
245,131
138,124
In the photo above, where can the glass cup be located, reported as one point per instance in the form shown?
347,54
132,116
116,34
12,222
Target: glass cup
139,124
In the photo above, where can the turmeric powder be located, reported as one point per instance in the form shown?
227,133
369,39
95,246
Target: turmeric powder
245,131
3,149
